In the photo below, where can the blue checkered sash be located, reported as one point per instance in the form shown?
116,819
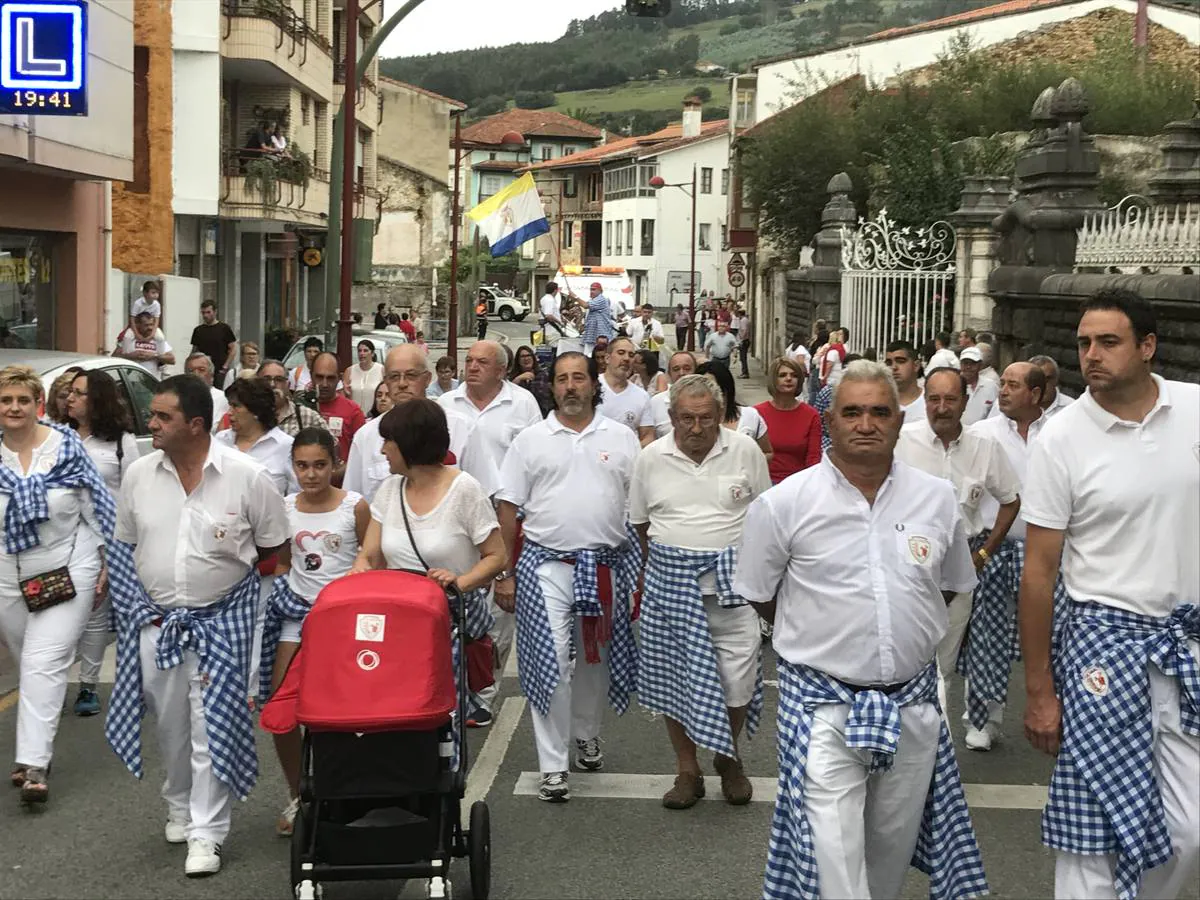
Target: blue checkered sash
282,604
220,635
538,670
946,848
678,675
1104,794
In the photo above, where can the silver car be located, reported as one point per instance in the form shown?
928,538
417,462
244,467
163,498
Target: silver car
135,385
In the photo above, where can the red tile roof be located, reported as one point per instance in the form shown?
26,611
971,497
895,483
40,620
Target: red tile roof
971,15
499,165
456,104
530,123
669,138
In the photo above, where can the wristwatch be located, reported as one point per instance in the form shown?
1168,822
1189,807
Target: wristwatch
507,573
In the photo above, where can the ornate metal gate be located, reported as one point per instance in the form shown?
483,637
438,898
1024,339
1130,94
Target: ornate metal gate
897,283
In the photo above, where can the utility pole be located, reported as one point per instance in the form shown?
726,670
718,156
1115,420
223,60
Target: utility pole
349,137
691,342
456,207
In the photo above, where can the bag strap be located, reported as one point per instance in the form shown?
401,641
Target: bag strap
408,527
120,451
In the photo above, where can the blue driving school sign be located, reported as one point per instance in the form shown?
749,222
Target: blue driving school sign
43,57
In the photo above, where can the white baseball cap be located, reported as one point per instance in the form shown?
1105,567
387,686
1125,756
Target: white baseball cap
971,353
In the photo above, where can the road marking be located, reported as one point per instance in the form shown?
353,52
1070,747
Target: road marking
9,700
600,786
510,667
494,749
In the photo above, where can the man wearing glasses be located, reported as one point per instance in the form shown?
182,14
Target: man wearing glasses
290,416
406,372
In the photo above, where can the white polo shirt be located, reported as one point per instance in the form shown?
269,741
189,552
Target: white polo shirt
491,430
573,485
640,331
550,305
630,407
190,549
981,400
974,464
367,468
942,359
274,452
1061,401
1127,496
859,586
660,413
915,411
1003,431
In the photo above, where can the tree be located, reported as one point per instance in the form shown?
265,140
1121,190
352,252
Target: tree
700,92
489,105
534,99
686,51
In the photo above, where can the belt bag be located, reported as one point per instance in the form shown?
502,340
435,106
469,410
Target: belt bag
50,588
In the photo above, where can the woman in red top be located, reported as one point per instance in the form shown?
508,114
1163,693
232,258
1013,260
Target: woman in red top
793,427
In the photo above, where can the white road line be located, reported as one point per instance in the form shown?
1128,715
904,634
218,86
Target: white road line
601,786
510,667
494,749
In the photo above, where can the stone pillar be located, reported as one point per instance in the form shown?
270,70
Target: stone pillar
983,198
825,274
1178,181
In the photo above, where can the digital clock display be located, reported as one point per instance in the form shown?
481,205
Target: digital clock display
43,57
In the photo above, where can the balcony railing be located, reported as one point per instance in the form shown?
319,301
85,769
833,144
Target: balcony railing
290,24
286,187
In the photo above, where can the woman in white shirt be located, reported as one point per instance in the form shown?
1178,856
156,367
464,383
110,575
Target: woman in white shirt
453,526
42,465
327,526
103,424
745,419
249,357
253,431
362,379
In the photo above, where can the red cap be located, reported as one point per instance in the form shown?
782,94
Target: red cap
597,285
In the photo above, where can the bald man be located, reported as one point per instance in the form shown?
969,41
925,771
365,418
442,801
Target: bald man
406,373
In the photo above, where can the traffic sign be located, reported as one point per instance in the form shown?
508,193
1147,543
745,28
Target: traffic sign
737,278
43,57
681,282
736,261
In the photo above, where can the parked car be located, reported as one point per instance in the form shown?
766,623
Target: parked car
504,305
134,384
383,341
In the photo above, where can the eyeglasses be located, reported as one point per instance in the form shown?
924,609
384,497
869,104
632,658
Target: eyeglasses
75,392
411,375
702,421
276,379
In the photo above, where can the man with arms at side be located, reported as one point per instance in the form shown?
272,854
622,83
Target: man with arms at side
1113,489
341,414
550,306
215,340
199,516
853,560
620,399
1055,400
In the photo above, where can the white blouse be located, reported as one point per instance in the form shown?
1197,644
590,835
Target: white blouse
448,536
363,384
104,455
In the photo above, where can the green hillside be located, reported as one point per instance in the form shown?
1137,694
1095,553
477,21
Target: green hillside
664,93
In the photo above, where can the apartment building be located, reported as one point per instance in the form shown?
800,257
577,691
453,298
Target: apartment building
55,209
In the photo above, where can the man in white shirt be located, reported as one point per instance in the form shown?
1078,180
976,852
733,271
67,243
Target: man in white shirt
853,560
991,642
981,395
1055,400
943,356
497,411
145,344
576,572
620,399
550,306
700,648
201,366
645,331
1113,489
986,372
975,466
406,373
300,378
198,516
681,363
901,359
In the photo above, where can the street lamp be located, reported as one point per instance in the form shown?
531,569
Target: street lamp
658,182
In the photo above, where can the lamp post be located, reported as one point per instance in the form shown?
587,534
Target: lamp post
658,182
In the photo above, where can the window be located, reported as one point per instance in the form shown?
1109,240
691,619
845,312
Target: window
305,110
608,238
490,184
724,236
629,237
620,245
705,237
571,188
568,235
141,122
706,180
595,188
491,156
629,181
724,182
568,151
745,108
321,148
647,237
547,153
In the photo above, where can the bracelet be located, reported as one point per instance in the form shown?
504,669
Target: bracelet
507,573
983,554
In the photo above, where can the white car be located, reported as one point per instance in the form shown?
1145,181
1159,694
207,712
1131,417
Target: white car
505,306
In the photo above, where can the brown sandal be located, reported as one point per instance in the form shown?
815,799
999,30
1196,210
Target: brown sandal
686,793
18,777
35,789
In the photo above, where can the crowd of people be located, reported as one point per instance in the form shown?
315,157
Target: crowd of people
632,536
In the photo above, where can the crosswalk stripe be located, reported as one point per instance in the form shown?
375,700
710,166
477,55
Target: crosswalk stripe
607,786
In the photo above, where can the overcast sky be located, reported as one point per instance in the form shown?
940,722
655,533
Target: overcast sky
440,25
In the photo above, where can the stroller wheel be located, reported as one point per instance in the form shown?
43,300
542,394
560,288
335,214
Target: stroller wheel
479,840
307,890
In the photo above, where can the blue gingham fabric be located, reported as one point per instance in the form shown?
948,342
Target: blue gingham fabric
678,675
282,604
28,502
599,320
220,635
946,848
821,403
538,670
1104,795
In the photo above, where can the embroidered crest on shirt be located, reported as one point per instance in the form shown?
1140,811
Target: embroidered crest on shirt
1095,681
603,456
976,493
738,492
220,532
919,548
332,542
369,627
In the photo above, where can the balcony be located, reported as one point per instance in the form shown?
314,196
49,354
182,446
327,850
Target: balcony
265,42
265,187
369,107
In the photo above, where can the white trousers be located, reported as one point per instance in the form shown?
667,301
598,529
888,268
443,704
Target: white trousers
864,826
1177,767
577,704
736,641
44,644
502,635
959,611
174,697
94,642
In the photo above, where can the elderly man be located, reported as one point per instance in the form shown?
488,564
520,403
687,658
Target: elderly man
406,373
1054,399
599,321
700,662
681,363
986,372
290,416
853,560
200,365
620,399
981,393
576,572
1113,489
720,344
976,466
497,411
198,516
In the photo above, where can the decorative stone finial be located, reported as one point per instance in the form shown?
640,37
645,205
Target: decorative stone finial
839,184
1070,101
1040,114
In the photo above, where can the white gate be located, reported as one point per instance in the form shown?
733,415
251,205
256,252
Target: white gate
897,283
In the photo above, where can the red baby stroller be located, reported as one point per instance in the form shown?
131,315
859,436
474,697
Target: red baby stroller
373,684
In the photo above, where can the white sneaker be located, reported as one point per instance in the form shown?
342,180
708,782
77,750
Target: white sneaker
204,858
176,830
981,739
